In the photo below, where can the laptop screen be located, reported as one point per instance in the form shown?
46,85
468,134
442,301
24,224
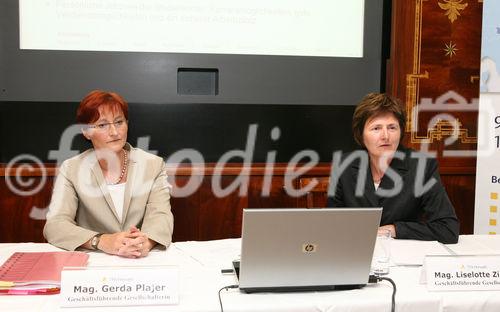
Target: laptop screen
307,248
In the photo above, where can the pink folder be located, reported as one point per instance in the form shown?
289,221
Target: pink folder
37,272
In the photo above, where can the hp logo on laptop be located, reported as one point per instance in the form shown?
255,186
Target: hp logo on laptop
309,248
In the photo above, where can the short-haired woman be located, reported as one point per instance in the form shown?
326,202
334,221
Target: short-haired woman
402,181
112,197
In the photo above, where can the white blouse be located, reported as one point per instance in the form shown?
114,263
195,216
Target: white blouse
117,192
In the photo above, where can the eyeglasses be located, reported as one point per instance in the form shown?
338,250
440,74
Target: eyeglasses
106,126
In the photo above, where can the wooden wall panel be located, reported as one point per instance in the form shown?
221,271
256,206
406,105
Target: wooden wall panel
219,215
202,215
278,196
435,57
459,188
22,217
186,212
199,216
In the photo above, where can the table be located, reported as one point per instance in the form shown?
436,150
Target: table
200,264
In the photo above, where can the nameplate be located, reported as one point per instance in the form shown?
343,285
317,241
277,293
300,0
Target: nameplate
462,272
119,286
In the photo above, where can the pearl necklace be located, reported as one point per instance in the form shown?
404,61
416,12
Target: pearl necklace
124,168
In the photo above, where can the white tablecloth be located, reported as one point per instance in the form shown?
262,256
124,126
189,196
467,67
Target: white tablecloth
200,264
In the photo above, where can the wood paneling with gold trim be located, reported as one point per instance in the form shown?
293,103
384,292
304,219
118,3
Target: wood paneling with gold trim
435,55
435,59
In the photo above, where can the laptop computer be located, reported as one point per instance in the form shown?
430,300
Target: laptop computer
306,249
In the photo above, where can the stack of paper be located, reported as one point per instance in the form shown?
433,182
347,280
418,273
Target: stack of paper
476,245
413,252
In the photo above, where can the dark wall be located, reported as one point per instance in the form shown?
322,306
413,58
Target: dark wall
212,129
309,99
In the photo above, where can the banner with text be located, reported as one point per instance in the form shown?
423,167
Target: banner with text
488,159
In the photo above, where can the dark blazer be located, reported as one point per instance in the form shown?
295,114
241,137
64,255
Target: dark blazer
425,216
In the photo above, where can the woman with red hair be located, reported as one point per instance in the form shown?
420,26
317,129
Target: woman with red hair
112,197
